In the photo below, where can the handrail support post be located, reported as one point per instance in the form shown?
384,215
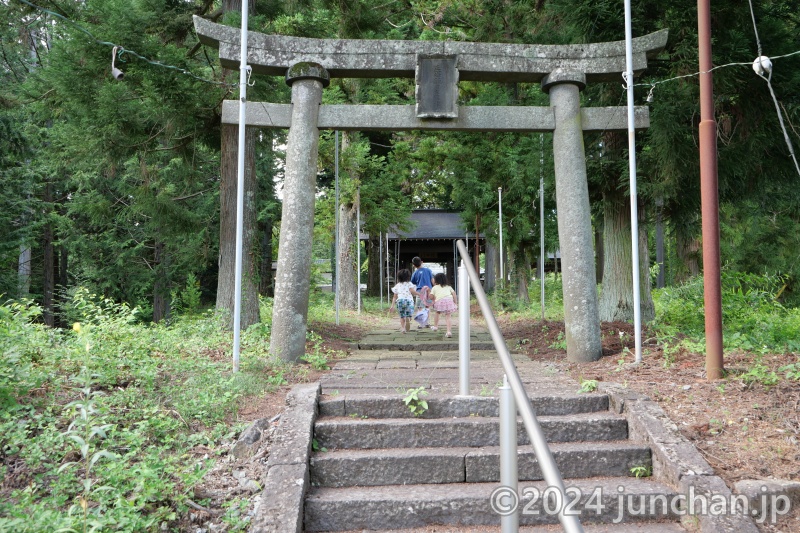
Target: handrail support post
463,329
509,475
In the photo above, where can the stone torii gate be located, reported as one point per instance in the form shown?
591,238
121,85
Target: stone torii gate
308,65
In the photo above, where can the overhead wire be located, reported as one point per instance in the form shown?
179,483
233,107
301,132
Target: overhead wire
768,79
123,50
652,85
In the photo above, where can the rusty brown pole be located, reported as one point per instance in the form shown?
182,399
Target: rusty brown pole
709,197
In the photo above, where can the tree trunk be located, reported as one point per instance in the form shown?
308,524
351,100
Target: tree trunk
374,268
161,284
349,249
647,308
660,243
687,248
24,271
266,279
488,269
49,264
616,299
599,251
522,272
477,254
227,231
227,220
348,257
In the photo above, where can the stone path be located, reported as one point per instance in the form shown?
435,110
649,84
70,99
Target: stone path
387,362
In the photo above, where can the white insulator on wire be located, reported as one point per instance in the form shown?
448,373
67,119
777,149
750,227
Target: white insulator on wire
762,66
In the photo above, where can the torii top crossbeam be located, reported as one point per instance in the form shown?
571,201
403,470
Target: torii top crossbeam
364,58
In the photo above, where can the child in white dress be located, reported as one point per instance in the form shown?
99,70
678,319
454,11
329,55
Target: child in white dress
444,301
404,292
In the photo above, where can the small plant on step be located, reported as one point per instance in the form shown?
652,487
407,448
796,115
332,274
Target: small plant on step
415,403
642,471
588,385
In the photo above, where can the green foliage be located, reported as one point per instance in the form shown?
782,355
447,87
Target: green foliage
561,342
642,471
413,399
22,343
111,453
187,300
588,385
752,317
318,357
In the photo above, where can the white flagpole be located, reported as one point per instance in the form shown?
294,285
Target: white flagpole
637,318
237,300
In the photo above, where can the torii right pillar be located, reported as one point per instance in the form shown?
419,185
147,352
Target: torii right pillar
581,316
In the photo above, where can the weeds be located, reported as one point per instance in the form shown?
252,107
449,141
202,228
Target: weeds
114,457
413,399
588,385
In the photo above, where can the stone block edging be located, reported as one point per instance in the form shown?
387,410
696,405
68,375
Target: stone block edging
287,479
676,461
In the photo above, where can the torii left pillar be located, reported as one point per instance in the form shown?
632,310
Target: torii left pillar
292,279
581,316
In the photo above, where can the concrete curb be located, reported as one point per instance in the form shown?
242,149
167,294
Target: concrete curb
287,480
677,463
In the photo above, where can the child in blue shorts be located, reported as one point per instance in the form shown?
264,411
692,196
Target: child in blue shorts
404,292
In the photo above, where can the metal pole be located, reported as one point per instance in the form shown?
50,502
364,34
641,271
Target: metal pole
709,198
541,219
336,216
380,264
500,225
509,474
358,248
637,313
550,472
388,273
463,328
237,299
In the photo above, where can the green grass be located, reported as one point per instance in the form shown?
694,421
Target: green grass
97,422
753,319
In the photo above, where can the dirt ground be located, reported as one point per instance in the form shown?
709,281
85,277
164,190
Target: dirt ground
242,479
744,431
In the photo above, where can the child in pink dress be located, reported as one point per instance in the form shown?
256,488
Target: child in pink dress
444,301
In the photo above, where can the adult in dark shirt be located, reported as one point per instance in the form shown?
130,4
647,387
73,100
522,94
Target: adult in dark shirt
422,277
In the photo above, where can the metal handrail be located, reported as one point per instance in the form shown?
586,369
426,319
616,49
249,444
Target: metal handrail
550,472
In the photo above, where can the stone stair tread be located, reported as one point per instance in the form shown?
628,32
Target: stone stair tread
399,466
444,491
555,447
601,415
383,507
355,432
440,405
647,527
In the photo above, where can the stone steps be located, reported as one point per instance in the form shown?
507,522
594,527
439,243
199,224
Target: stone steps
396,466
377,467
352,432
468,504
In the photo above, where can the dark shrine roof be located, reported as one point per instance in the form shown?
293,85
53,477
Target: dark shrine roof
433,224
